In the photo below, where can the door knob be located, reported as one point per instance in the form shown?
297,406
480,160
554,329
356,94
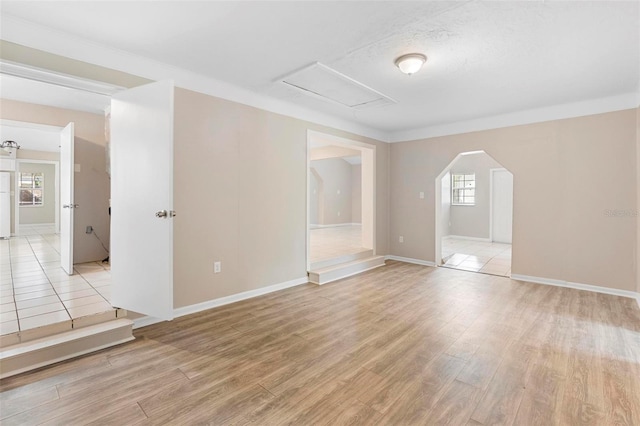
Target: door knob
70,206
161,213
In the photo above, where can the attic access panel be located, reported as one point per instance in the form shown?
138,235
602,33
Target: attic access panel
319,80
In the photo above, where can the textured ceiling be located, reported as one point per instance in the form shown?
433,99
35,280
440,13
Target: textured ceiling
485,58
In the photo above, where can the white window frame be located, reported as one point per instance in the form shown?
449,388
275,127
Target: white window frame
33,187
455,189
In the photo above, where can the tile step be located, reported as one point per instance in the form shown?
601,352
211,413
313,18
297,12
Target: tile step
48,350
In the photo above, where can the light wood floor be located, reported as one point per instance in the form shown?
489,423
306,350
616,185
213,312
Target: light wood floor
400,345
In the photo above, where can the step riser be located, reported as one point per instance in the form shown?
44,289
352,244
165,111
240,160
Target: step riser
342,259
47,351
346,271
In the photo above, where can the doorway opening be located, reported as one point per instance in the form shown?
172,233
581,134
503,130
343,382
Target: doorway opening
474,215
41,297
340,200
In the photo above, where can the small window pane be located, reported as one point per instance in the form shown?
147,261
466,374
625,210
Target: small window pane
31,189
463,189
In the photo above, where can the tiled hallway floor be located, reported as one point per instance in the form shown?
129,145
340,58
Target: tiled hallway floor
335,241
38,298
477,256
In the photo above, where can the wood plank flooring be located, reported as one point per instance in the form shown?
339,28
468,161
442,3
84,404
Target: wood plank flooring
399,345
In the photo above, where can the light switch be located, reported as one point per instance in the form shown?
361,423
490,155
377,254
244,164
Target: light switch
421,194
77,168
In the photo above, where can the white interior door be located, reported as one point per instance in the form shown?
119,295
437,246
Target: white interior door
66,198
142,199
501,205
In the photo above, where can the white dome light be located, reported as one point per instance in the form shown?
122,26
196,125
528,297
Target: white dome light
411,63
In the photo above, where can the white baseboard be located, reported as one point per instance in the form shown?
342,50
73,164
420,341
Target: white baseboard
38,224
410,260
332,225
461,237
578,286
209,304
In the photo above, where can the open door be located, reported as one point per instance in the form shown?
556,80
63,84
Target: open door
142,199
66,198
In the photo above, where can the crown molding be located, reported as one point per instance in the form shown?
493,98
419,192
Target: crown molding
536,115
32,35
46,76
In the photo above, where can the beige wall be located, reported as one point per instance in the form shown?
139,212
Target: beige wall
473,221
91,183
567,175
253,165
356,193
47,212
445,202
335,174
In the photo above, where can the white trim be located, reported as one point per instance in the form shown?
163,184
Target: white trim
334,225
536,115
57,79
577,286
33,126
214,303
462,237
410,260
32,35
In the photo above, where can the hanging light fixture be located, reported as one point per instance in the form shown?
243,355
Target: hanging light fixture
411,62
9,146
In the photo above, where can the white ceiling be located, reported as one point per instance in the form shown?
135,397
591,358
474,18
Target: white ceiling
485,58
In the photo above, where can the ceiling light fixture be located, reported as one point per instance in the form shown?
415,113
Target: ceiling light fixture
9,146
411,62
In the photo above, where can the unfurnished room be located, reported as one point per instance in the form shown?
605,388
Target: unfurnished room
320,212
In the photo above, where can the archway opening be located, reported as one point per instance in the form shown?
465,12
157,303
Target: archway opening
474,215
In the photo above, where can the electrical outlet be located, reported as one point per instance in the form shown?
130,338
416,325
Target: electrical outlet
89,229
217,267
401,239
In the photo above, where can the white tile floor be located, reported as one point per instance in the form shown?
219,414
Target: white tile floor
477,256
335,241
38,298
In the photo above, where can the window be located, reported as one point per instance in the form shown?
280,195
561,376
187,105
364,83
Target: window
31,189
463,190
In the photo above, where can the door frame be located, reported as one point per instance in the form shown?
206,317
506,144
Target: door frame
17,191
45,128
367,187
